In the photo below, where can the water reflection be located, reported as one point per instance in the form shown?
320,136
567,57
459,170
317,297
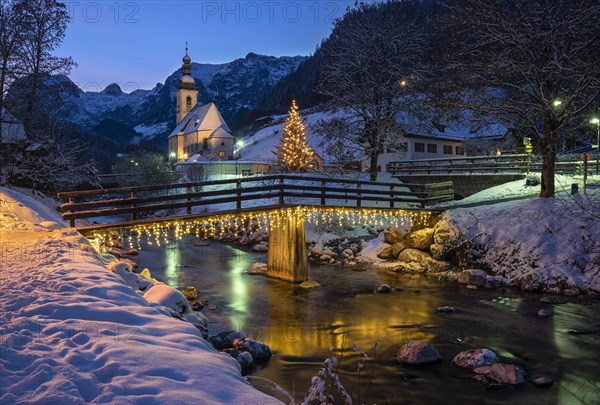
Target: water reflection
301,326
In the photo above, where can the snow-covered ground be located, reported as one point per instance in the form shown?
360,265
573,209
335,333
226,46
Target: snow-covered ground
73,332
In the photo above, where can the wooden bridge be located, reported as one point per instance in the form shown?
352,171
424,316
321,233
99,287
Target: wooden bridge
287,199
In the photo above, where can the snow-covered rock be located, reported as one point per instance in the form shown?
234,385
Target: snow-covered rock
474,358
392,235
413,255
135,281
162,295
258,350
261,247
384,289
224,340
384,252
258,269
243,358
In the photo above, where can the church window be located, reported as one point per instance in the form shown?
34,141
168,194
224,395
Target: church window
222,143
188,102
222,154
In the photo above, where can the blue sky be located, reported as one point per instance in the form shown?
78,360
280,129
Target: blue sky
139,43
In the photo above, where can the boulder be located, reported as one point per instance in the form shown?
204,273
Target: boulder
256,349
258,269
444,233
545,312
404,267
438,252
190,292
474,277
243,358
384,289
502,373
413,255
416,354
384,251
474,358
348,254
398,247
571,292
325,258
532,180
421,239
436,266
446,309
224,340
392,235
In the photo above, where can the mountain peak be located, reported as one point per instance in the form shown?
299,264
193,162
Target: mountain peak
253,56
112,90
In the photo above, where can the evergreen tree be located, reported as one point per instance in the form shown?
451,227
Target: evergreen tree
293,152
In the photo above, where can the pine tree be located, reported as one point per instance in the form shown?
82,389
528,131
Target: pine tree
293,151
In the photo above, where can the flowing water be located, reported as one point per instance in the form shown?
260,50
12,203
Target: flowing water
301,326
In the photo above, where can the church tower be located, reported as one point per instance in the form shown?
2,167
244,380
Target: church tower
187,95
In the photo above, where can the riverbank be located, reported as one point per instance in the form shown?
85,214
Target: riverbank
73,332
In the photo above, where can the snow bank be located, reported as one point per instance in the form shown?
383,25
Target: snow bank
539,242
73,332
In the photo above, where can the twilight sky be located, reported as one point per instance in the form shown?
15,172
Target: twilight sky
139,43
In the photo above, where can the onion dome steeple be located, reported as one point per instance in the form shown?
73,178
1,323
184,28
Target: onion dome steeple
187,81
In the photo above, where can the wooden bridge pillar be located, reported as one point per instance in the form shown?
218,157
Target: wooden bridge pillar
286,258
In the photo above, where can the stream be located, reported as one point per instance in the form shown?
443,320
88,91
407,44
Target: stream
302,325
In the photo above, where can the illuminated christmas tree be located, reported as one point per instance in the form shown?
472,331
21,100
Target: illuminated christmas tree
293,151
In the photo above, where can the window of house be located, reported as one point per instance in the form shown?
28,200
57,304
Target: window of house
431,148
447,149
188,101
222,154
460,150
222,143
419,147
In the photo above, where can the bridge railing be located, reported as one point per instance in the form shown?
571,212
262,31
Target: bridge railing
234,193
514,163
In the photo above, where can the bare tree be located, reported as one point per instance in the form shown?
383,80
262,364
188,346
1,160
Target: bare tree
532,64
372,53
45,26
11,38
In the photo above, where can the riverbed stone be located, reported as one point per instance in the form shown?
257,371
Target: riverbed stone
309,284
545,312
418,354
258,269
502,373
571,292
392,235
190,292
553,299
258,350
421,239
413,255
474,358
384,251
474,277
445,309
543,382
384,289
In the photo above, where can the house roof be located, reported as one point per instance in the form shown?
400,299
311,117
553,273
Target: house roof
221,133
433,137
11,129
201,118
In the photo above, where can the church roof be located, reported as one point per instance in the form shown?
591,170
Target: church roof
201,118
221,133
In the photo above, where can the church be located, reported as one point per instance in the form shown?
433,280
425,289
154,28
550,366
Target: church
201,134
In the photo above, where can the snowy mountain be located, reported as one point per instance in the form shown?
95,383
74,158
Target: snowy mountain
235,87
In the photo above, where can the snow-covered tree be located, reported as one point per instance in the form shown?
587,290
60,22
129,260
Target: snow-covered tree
532,64
52,164
371,67
293,152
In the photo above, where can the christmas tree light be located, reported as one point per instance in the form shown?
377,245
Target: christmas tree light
293,152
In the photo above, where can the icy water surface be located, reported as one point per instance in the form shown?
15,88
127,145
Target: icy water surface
302,325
